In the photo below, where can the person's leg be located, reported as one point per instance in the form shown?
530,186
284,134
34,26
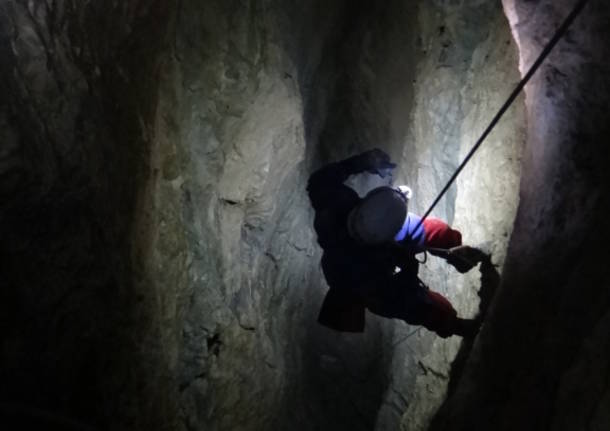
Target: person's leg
405,297
439,315
434,312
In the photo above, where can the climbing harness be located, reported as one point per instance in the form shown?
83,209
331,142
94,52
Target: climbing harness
545,52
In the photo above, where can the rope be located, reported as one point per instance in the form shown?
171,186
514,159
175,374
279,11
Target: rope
545,52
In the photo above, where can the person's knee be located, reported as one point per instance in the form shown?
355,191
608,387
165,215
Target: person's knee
439,315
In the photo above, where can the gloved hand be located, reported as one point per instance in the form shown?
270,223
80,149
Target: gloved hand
467,328
376,161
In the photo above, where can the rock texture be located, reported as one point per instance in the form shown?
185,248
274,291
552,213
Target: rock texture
158,266
464,73
240,155
541,361
79,340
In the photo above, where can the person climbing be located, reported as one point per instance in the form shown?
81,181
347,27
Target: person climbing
369,246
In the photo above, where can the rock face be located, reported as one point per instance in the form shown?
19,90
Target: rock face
465,73
541,361
159,270
79,323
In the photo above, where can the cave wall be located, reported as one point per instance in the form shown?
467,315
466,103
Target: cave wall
159,269
541,360
159,266
255,85
467,67
241,158
263,98
79,93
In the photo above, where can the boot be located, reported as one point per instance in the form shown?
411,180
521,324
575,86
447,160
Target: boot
464,258
466,328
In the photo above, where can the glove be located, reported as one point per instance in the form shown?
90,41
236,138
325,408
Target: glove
467,328
376,161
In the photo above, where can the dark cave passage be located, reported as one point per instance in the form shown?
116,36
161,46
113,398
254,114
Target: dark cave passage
159,269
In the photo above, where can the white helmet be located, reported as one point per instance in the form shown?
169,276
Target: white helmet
379,217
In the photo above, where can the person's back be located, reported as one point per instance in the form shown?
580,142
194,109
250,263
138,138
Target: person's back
353,270
369,252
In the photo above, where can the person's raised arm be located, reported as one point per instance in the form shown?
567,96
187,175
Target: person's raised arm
331,176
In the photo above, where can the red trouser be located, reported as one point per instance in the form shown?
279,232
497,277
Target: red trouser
439,235
439,315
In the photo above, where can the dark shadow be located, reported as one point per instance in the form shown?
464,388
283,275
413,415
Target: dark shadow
14,416
490,280
346,375
71,312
